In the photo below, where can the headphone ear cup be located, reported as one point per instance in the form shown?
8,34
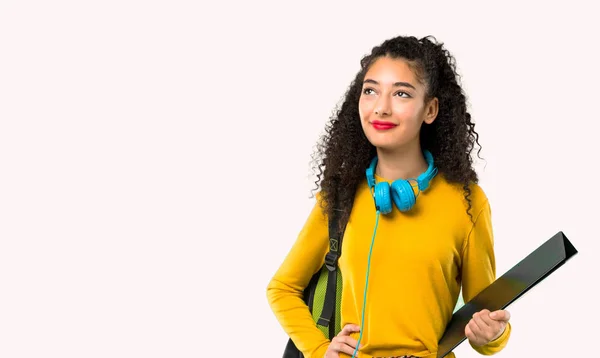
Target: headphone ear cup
403,195
382,197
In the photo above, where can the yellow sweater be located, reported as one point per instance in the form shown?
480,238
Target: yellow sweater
420,259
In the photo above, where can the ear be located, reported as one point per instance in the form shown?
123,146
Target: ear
431,111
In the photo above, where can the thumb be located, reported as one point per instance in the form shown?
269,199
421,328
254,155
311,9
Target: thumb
349,328
500,315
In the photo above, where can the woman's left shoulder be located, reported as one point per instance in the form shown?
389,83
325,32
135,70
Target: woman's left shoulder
476,193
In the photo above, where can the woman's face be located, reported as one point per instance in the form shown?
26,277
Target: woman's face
391,105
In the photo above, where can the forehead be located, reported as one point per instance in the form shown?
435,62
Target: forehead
387,70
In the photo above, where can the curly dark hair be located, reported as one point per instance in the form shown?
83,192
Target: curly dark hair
343,151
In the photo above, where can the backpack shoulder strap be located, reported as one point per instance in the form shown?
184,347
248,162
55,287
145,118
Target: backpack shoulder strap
336,235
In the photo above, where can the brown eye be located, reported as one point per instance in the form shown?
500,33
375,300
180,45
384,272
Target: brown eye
368,91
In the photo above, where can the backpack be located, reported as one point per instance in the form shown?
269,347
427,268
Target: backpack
323,293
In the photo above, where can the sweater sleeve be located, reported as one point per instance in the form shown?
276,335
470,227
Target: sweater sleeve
285,290
479,269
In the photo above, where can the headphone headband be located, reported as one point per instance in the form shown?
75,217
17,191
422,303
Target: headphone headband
400,191
422,180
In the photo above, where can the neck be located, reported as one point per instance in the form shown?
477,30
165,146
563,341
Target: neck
400,163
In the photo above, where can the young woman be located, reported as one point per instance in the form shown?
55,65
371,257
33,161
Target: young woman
403,129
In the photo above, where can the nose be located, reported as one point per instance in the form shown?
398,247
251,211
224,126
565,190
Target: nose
382,107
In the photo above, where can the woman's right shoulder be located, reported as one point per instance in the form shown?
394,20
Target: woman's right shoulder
318,208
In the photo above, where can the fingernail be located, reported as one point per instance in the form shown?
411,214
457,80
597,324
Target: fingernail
493,314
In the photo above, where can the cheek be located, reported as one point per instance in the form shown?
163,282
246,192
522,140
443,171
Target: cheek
410,116
364,108
406,111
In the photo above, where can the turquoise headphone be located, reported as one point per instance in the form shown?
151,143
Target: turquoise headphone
400,191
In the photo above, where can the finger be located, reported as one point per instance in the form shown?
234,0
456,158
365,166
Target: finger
342,347
348,340
500,315
475,329
486,317
469,333
488,332
483,326
477,338
349,328
496,326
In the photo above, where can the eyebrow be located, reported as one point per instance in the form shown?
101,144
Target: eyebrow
397,84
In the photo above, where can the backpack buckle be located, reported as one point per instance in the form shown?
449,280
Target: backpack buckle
331,261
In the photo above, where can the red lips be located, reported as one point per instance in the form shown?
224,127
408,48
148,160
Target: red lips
382,125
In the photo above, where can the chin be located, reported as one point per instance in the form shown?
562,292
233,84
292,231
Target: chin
385,145
386,142
392,140
390,147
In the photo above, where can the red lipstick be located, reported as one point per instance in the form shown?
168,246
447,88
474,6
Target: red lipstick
382,125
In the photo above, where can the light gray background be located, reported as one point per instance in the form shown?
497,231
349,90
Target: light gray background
154,162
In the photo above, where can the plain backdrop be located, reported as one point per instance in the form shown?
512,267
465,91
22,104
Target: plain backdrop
155,162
